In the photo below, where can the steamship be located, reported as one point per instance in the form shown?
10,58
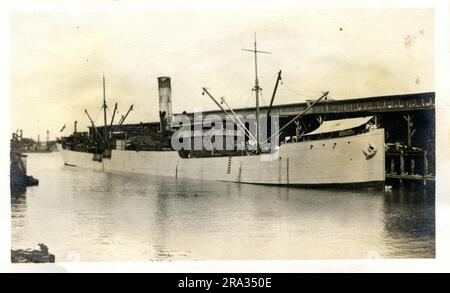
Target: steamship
346,152
342,152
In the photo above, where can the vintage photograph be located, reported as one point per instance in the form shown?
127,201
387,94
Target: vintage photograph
198,135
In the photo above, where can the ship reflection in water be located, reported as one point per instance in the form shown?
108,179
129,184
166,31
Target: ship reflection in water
92,216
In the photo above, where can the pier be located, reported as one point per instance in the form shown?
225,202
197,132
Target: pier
408,120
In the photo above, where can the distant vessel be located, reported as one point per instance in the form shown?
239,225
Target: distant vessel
28,145
346,152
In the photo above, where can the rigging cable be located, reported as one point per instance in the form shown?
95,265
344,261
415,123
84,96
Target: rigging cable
96,118
297,93
302,96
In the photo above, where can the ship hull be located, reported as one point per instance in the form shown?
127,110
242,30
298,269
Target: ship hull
334,162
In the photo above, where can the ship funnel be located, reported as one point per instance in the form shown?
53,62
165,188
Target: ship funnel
165,103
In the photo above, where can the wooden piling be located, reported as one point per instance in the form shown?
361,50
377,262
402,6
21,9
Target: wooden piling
402,163
402,167
425,163
425,166
411,130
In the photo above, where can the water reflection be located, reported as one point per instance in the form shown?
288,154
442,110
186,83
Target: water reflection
409,216
18,198
161,221
103,217
18,204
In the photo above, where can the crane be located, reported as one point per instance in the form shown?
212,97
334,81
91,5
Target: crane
125,117
273,94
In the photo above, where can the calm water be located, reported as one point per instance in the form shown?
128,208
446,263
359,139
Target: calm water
92,216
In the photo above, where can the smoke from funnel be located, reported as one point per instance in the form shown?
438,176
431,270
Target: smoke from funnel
165,103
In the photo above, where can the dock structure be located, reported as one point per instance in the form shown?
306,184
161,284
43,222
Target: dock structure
408,120
379,104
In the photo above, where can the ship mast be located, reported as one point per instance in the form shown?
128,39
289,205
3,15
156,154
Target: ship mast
256,89
104,110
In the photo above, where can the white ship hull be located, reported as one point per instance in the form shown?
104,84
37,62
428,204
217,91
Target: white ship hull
334,161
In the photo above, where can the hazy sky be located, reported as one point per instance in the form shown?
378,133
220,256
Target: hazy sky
57,60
